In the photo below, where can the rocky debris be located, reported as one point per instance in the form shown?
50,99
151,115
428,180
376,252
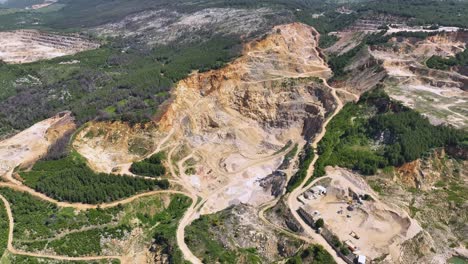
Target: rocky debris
364,73
244,112
292,224
433,191
440,95
281,215
241,228
275,183
111,147
419,249
424,173
168,26
458,152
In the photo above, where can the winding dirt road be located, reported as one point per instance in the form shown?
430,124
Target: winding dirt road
18,252
292,202
77,206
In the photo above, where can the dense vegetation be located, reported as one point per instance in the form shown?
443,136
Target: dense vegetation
305,159
437,62
151,166
4,228
37,219
422,12
199,238
378,132
106,83
165,235
328,21
69,179
314,254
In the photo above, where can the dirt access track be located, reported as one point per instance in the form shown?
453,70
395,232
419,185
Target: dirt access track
229,126
24,46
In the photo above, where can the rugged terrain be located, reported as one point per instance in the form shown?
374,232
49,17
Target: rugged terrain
168,26
432,191
440,95
246,112
239,143
28,146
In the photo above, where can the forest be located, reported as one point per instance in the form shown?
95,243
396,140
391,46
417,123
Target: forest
422,12
37,219
151,166
70,179
378,132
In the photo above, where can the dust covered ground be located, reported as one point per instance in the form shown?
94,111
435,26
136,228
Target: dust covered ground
380,227
24,46
31,144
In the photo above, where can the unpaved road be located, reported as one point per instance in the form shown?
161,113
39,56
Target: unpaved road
292,201
18,252
81,206
77,206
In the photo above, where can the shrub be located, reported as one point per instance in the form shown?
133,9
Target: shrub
319,223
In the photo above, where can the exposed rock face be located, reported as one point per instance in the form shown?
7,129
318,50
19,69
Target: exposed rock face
424,173
265,84
241,229
232,121
249,109
113,146
275,182
433,190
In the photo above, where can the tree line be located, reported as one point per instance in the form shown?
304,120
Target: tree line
378,132
70,179
151,166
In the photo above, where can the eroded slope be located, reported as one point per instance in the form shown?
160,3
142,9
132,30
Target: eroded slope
31,144
441,95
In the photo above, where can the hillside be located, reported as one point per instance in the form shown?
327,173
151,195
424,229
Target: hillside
238,131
